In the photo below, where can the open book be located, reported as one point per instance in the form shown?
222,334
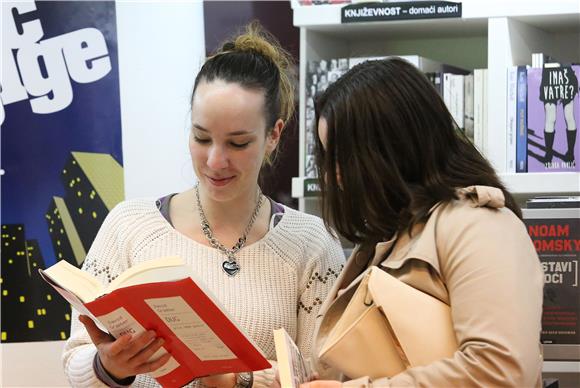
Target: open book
292,368
163,295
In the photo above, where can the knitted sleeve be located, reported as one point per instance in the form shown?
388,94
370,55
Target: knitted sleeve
102,261
317,279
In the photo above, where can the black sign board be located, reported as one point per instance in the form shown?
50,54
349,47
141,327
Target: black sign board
369,12
311,187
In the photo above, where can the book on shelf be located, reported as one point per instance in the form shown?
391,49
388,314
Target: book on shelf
468,106
453,96
455,85
522,119
424,64
163,295
539,60
511,122
435,79
555,233
553,117
319,74
293,369
480,109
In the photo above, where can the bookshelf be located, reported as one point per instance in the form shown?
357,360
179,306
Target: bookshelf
492,34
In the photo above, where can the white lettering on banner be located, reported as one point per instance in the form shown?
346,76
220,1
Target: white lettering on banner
43,69
554,271
12,89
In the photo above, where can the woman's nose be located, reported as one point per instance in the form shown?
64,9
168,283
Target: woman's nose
217,158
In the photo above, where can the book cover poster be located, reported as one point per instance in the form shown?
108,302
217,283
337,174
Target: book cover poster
553,119
319,75
557,241
61,151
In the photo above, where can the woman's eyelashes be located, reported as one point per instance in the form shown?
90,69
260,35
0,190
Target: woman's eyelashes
234,144
240,145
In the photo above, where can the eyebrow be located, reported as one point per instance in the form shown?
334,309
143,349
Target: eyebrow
235,133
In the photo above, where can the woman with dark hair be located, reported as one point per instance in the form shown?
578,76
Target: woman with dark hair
400,179
268,265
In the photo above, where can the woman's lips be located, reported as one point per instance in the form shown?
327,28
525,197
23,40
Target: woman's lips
220,181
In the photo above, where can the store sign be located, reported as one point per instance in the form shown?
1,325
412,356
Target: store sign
311,187
370,12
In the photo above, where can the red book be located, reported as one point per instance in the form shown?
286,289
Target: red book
163,295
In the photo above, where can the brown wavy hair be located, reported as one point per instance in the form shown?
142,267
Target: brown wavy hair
397,149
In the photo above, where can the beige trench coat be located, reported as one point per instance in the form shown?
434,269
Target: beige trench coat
475,255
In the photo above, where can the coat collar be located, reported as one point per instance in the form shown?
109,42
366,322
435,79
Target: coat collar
421,243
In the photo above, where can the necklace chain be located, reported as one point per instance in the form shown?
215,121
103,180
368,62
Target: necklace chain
213,241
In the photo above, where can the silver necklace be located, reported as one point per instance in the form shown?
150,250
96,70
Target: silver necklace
230,265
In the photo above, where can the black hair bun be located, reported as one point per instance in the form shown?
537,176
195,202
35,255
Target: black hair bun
228,46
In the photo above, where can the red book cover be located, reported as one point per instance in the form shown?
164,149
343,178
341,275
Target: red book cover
201,338
555,233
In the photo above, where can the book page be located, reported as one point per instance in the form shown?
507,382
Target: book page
65,275
119,322
292,367
70,296
152,271
190,328
224,311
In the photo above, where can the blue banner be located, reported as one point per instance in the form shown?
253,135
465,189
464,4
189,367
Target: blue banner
61,150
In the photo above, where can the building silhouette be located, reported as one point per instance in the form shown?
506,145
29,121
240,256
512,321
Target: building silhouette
31,309
93,185
36,312
65,238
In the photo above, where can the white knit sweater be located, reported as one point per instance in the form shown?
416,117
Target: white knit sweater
283,280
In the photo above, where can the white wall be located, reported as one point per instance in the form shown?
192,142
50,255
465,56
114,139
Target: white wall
32,364
160,47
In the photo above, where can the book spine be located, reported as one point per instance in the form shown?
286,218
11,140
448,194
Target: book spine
511,119
447,92
459,100
468,105
439,82
485,113
522,120
478,108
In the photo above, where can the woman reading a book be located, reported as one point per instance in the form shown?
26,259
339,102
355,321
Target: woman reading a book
270,266
403,182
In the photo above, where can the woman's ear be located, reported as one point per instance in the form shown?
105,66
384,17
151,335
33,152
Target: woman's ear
273,138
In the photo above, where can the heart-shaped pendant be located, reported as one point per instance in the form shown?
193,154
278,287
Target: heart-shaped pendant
230,267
